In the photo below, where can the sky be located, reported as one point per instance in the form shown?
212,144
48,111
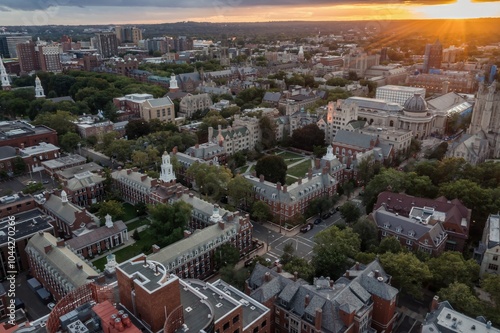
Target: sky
85,12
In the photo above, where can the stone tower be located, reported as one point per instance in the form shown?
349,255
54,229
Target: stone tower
167,173
39,93
4,77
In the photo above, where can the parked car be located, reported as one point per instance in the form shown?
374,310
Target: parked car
307,227
318,221
326,215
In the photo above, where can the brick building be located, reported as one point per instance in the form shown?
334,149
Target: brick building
28,220
454,217
287,201
166,303
360,301
21,134
85,188
57,268
190,104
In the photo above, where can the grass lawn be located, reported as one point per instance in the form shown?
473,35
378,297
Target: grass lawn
130,211
290,180
129,251
300,170
287,154
134,225
293,160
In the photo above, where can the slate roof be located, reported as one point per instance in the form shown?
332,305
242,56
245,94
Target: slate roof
159,102
447,101
273,97
62,259
353,139
95,235
83,180
64,211
7,152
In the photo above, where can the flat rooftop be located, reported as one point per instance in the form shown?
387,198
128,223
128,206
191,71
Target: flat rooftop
18,128
71,172
401,88
27,224
453,321
197,314
64,161
150,276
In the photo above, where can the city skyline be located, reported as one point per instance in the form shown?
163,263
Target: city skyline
76,12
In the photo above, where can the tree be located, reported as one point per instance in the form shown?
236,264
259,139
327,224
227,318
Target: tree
268,130
451,267
367,232
350,212
168,222
408,273
332,251
348,188
18,166
491,284
319,206
301,266
226,255
69,141
462,299
111,207
387,179
212,180
137,128
273,167
307,137
61,121
240,191
288,253
136,236
390,244
261,211
237,160
439,152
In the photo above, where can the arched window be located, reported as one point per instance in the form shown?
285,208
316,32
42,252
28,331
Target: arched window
391,123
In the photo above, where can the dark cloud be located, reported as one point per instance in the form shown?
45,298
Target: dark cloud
29,5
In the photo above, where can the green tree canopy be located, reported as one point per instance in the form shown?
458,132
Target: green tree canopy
451,267
332,251
390,244
168,222
367,232
111,207
240,191
350,212
408,273
69,141
227,255
319,206
273,167
212,180
462,298
307,137
61,121
261,211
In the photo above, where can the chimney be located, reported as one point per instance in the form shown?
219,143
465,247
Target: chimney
331,283
22,145
261,178
346,273
285,189
317,163
267,277
135,169
377,273
357,266
143,178
79,265
129,171
295,276
178,194
187,233
435,303
278,186
65,183
154,182
119,168
47,248
155,248
279,268
191,195
254,174
310,174
60,243
318,319
197,145
222,225
174,150
300,181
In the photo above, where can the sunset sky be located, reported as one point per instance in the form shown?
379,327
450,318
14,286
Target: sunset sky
42,12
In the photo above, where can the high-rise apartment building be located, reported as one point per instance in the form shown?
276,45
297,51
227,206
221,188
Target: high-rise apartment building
28,59
13,40
433,56
106,44
50,58
4,49
128,34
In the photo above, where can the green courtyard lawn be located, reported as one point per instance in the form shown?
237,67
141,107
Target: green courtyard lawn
288,155
290,180
300,170
143,245
137,223
130,211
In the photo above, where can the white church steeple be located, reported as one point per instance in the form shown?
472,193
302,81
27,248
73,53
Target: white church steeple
173,84
167,173
4,77
39,93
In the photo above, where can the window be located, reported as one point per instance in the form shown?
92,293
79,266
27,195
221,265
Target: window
277,320
236,319
409,242
226,326
493,267
384,233
264,323
495,258
256,329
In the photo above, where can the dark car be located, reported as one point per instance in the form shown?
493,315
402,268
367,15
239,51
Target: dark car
326,215
318,221
307,227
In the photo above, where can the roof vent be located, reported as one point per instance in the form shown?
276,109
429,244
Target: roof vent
380,279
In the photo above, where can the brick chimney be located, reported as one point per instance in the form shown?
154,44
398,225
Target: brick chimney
310,174
129,171
135,169
222,225
197,145
300,181
285,189
278,186
47,248
155,248
434,303
346,273
119,168
357,266
154,182
295,276
317,163
187,233
261,178
174,150
279,268
60,243
254,174
79,265
306,300
318,319
267,277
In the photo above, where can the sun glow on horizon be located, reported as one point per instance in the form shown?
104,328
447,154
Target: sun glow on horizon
461,9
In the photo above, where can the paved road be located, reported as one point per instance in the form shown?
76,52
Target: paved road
302,242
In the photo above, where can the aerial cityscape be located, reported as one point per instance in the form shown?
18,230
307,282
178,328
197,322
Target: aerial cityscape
248,166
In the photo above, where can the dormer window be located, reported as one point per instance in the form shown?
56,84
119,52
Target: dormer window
387,225
411,233
399,229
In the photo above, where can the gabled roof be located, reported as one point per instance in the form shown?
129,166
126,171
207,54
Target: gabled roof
95,235
272,97
353,139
